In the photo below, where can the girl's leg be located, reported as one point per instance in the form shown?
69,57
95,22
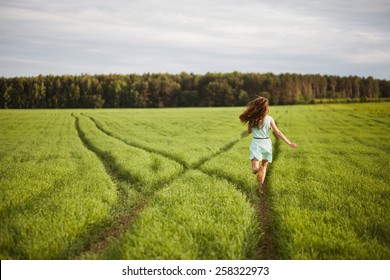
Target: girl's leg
262,171
255,165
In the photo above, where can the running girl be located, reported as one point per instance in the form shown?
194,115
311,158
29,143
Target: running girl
259,124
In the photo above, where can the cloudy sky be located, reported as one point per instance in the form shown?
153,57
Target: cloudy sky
136,36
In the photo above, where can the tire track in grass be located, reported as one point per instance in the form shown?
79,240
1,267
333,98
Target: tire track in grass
224,149
262,211
236,183
232,181
262,208
261,202
267,247
137,145
124,214
195,166
187,166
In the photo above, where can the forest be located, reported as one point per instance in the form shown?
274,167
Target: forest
159,90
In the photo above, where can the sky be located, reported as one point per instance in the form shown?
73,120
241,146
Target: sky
328,37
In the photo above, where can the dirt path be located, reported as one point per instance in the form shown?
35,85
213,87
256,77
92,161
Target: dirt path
267,251
114,231
267,247
125,215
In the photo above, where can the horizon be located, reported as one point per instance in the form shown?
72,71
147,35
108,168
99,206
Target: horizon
197,74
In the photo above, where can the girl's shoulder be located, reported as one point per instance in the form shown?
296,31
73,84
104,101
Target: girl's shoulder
268,117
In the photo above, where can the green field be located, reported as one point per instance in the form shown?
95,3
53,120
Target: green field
177,184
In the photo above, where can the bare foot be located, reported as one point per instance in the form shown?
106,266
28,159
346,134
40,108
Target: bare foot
260,189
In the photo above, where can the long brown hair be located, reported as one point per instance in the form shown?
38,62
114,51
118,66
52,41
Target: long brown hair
255,112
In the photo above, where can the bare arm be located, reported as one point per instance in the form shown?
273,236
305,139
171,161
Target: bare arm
281,135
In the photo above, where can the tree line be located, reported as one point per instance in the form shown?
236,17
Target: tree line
182,90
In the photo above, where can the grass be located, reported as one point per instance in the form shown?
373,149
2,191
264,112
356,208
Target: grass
329,200
144,170
196,217
188,136
177,184
55,194
235,167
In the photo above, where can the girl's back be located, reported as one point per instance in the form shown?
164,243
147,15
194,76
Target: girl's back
264,130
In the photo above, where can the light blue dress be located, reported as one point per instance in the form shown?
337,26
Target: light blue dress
261,149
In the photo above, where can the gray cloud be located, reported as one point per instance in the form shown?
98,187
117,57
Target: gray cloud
85,36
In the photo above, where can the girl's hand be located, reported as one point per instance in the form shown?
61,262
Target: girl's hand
293,145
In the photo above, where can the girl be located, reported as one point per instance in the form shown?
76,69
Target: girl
259,123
